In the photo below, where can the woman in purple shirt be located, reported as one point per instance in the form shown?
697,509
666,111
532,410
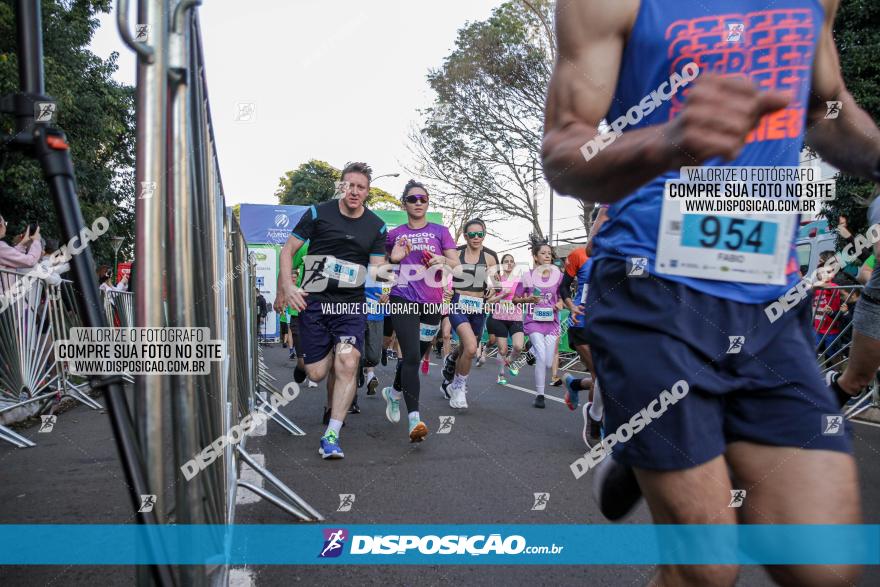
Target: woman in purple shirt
423,249
539,289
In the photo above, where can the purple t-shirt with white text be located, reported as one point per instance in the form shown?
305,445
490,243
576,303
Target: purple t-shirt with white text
549,291
411,284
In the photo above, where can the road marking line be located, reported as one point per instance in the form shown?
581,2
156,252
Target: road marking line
556,399
241,577
874,424
246,496
260,430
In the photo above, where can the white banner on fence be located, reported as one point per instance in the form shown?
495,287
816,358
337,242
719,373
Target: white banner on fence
267,282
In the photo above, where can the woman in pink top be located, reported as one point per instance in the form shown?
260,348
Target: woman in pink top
506,320
539,289
25,254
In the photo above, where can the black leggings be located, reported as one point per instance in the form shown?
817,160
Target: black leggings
408,326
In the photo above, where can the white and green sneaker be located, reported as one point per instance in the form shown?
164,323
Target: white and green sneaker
392,406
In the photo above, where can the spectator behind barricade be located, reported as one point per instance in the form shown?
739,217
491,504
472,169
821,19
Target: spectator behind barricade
262,311
26,252
50,272
826,305
105,280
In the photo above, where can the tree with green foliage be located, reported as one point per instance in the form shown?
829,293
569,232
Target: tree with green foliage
96,113
315,181
857,35
480,142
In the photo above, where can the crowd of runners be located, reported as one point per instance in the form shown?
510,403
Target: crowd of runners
751,417
408,288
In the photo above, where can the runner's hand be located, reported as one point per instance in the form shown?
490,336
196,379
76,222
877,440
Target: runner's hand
401,249
435,259
290,296
576,311
717,117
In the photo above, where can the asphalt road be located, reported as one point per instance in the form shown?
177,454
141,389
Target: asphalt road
486,470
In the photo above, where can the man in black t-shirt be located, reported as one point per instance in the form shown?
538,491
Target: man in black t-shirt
344,238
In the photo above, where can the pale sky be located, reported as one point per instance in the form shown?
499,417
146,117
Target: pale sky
336,81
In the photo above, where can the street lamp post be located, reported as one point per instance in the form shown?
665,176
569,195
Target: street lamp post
385,175
116,241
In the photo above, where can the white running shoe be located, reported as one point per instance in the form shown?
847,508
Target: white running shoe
312,383
459,397
392,406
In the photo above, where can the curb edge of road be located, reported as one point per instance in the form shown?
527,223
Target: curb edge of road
870,415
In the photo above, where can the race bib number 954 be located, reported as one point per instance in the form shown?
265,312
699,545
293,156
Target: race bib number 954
743,248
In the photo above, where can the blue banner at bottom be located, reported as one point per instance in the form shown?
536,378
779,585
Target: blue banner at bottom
438,544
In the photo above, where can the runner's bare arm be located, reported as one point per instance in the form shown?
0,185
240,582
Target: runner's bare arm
591,37
285,269
452,260
492,281
717,117
850,142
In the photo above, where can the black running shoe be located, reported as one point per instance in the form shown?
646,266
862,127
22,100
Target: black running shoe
384,358
299,374
530,358
615,489
361,378
445,387
843,397
556,382
354,408
539,401
449,367
372,385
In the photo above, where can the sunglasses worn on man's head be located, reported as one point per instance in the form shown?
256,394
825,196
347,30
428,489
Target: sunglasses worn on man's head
478,234
416,198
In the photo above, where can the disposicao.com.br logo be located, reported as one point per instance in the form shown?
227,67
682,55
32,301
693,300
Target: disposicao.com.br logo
477,545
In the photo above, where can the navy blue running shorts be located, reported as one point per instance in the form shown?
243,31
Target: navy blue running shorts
458,316
319,333
746,378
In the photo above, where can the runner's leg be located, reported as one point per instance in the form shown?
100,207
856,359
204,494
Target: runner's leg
671,496
341,387
789,485
467,344
501,357
518,344
406,328
542,348
864,358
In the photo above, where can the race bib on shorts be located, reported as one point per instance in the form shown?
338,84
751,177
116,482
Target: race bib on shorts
469,304
542,315
343,271
427,332
746,248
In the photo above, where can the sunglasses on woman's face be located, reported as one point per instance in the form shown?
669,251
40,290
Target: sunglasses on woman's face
416,199
478,234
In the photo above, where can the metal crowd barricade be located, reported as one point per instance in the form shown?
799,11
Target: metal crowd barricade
210,284
193,271
834,332
34,315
